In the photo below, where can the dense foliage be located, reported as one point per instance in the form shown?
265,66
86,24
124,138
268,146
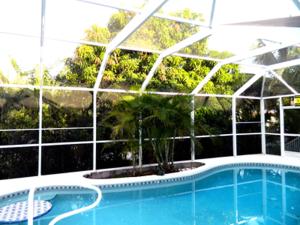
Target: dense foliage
158,120
127,70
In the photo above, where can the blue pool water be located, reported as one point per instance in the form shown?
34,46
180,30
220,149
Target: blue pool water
236,195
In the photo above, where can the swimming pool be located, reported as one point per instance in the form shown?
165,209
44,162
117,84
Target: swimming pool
237,194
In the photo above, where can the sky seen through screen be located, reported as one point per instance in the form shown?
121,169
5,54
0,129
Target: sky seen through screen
70,18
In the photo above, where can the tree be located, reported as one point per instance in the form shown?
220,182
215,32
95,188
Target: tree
127,70
124,120
164,119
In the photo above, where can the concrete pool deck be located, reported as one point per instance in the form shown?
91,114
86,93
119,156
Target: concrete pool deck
76,178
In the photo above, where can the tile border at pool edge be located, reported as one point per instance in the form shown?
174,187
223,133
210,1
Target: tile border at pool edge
154,182
195,176
41,189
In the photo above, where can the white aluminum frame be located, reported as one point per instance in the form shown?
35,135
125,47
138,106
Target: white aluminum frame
193,154
241,57
290,63
282,142
141,17
263,118
180,45
41,87
140,11
234,133
283,82
130,28
263,126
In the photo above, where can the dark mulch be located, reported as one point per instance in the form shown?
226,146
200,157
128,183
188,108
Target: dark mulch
144,171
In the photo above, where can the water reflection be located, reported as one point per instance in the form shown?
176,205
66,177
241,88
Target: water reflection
271,197
250,196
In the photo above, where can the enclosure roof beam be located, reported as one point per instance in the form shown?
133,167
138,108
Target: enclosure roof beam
151,72
283,82
101,70
290,63
279,66
280,79
175,48
247,84
129,29
110,4
278,96
135,23
263,87
258,51
235,59
207,78
212,13
291,21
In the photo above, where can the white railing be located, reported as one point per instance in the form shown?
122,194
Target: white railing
293,145
67,214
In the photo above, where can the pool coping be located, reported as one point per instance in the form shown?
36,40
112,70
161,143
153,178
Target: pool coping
15,187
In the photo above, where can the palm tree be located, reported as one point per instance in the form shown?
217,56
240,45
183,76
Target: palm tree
123,119
165,118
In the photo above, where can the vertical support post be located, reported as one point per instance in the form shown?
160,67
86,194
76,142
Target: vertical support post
263,126
212,13
95,130
40,128
41,78
40,131
281,120
234,142
140,140
193,128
